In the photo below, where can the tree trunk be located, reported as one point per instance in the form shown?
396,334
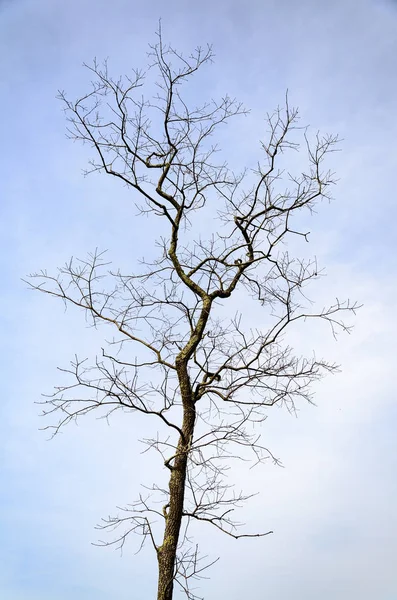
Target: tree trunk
166,553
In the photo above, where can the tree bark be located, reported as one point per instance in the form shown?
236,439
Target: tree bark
166,553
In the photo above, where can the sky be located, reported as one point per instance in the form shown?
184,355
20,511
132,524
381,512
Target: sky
332,506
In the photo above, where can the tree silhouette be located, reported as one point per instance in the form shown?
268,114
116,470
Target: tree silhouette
207,380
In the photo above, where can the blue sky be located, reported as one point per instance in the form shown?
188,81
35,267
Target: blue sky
333,507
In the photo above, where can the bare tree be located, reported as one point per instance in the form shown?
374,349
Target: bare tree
207,379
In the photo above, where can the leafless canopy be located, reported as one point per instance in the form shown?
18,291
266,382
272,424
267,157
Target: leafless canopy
204,378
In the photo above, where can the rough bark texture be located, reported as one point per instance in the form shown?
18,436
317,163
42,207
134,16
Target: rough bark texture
166,553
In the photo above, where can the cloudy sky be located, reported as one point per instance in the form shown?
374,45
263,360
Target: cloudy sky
333,506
